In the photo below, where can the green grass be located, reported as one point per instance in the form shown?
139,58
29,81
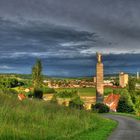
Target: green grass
81,91
38,120
89,91
126,114
16,88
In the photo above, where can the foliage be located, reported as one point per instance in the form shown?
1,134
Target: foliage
30,94
7,82
37,79
137,106
27,83
88,91
116,82
120,91
125,103
38,120
48,90
132,89
108,91
38,93
54,99
100,108
8,91
67,94
76,103
131,84
37,74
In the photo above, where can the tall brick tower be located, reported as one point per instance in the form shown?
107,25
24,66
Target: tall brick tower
99,79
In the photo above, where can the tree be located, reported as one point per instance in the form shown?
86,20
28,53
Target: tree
137,106
76,103
37,78
37,74
131,84
131,89
100,108
125,104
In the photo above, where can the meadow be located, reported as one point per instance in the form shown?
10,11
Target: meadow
88,91
38,120
81,91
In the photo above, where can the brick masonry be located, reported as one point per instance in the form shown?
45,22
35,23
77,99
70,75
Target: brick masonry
99,82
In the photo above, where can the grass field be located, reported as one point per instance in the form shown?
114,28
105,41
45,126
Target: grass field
89,91
81,91
38,120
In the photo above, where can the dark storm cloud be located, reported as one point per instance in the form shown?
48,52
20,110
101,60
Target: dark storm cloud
116,22
43,40
69,31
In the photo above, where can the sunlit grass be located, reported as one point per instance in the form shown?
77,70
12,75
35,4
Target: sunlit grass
81,91
38,120
132,115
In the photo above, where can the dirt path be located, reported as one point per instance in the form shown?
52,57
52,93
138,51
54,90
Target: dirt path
128,128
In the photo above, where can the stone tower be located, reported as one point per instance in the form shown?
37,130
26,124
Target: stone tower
99,79
138,75
123,79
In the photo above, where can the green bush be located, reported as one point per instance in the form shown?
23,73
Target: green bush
125,103
38,93
100,108
137,106
48,90
124,107
54,99
67,94
131,84
119,91
30,94
108,91
76,103
8,82
8,91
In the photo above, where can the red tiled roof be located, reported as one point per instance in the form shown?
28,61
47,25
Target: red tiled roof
21,97
112,101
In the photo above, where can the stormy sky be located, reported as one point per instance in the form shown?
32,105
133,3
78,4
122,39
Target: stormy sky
66,34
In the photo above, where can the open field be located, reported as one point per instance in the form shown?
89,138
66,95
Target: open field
81,91
89,91
38,120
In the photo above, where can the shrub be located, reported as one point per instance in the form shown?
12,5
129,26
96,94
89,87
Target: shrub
108,91
30,94
54,99
76,103
67,94
38,93
131,84
8,91
48,90
124,107
8,82
137,106
100,108
125,103
119,91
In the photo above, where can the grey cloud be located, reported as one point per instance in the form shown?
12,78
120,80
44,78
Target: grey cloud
116,22
67,34
40,39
